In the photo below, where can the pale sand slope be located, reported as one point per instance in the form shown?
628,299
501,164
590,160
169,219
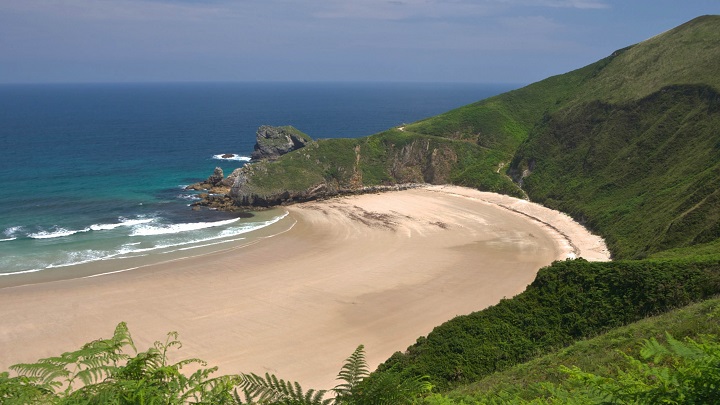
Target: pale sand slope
379,270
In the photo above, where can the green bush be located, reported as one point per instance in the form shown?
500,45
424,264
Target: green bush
568,301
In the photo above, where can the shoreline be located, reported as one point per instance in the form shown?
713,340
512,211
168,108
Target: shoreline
105,266
373,269
583,243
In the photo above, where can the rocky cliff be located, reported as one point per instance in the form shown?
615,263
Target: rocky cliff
348,166
273,142
270,143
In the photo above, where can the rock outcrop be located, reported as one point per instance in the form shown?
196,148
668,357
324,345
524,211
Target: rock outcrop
335,167
211,182
273,142
245,194
329,168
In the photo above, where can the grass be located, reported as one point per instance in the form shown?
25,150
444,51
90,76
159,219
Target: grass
598,355
568,301
643,173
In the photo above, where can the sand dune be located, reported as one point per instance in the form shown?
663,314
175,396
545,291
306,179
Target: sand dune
376,269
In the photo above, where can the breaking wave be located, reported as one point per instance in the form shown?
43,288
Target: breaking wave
148,230
150,238
231,156
59,232
123,222
56,232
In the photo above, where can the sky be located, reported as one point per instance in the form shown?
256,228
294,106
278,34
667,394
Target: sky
479,41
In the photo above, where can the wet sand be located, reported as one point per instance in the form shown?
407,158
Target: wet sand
375,269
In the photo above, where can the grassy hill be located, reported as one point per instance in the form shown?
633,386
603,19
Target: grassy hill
627,145
630,146
603,354
568,301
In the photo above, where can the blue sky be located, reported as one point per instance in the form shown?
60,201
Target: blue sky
487,41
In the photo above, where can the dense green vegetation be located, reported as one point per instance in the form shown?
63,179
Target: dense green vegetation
629,150
602,355
644,173
388,158
674,372
568,301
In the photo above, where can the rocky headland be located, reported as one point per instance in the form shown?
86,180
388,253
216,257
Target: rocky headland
288,167
270,143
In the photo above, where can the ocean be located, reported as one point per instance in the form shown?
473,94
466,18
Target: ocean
95,173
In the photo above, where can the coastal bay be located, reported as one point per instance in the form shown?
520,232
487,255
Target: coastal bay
374,269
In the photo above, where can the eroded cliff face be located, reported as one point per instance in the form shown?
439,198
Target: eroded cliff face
421,162
353,170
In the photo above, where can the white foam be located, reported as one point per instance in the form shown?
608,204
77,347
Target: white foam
81,257
177,228
191,197
123,222
21,272
210,244
132,249
57,233
12,230
11,233
233,156
227,233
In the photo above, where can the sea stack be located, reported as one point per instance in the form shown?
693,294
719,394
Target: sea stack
273,142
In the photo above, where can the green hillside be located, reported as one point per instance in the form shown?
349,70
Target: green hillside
643,173
629,146
568,301
603,355
636,153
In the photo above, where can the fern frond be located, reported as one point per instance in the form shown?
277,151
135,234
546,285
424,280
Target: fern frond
95,374
272,390
46,370
354,371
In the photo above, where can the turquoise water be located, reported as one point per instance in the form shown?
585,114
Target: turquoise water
94,173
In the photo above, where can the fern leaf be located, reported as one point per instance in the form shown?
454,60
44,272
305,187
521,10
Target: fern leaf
272,390
352,373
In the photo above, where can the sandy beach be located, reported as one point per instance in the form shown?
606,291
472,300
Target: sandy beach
375,269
